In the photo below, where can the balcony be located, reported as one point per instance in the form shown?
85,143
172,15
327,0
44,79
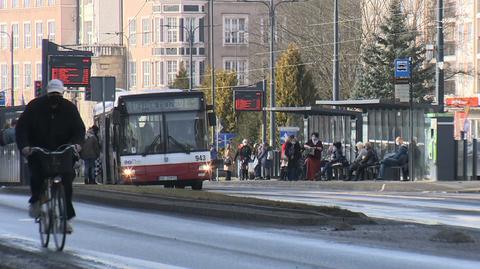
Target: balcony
103,50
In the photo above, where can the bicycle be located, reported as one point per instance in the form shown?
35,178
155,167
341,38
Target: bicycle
53,205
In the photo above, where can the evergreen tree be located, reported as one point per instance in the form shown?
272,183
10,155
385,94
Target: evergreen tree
294,84
224,83
395,40
182,80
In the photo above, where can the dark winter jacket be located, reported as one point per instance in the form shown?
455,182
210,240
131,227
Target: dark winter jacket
90,148
401,154
40,125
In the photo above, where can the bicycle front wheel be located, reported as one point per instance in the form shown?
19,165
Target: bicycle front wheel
59,216
44,224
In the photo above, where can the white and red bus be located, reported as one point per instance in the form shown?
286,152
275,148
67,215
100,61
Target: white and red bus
156,137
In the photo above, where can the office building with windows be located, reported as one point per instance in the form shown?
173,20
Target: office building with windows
27,22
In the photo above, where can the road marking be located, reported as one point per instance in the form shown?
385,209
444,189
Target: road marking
26,220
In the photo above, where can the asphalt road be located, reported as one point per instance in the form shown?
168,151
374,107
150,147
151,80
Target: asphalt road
116,238
456,209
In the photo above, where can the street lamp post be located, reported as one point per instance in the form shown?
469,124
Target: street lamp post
271,13
10,36
190,30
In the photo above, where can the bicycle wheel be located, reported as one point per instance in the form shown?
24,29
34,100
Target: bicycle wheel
59,216
44,225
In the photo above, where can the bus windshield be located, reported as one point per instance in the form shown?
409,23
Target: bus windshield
158,133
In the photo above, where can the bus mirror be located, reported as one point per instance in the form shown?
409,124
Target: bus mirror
212,119
116,116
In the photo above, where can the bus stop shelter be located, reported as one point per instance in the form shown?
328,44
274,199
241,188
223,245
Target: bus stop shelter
384,120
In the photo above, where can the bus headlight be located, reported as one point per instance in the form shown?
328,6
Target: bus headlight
205,167
128,172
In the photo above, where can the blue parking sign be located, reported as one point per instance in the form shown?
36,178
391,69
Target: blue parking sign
402,69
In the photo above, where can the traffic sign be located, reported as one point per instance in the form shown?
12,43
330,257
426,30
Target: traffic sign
224,138
402,69
285,132
402,93
3,100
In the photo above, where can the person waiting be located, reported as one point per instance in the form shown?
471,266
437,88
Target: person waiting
335,157
314,147
398,158
366,157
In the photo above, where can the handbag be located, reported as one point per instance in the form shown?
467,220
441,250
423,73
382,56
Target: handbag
227,161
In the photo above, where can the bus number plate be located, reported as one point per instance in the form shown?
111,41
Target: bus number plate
199,158
166,178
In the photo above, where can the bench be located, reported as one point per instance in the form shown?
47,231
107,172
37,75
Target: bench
339,171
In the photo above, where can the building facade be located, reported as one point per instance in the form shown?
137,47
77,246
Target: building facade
27,22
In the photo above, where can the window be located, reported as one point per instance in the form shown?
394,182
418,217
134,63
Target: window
3,37
3,4
26,3
15,4
27,35
38,3
159,73
16,76
158,30
133,74
171,51
87,32
27,75
171,71
38,34
146,69
146,32
172,30
15,35
132,32
234,30
171,8
87,2
190,8
51,31
51,2
240,67
38,71
3,76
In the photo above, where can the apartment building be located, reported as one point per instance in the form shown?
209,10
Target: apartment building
156,34
27,22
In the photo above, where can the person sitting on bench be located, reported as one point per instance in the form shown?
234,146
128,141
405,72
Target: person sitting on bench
336,157
398,158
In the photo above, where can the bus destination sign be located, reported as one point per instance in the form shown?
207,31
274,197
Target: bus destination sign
248,100
142,106
74,71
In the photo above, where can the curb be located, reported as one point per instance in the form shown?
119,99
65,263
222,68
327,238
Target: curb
193,207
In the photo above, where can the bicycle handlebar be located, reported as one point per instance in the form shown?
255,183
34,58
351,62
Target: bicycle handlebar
47,152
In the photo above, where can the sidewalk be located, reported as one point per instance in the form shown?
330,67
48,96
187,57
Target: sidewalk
386,186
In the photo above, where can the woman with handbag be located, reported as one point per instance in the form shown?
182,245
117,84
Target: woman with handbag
228,157
313,162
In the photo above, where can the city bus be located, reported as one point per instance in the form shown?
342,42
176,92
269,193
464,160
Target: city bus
155,137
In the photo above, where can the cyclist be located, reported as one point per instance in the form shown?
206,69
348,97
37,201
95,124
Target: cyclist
48,122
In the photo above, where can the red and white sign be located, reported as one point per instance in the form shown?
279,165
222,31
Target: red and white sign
461,101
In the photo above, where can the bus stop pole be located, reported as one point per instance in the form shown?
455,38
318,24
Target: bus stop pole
411,172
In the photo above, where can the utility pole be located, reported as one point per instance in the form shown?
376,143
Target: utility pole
190,42
212,66
336,44
439,74
272,73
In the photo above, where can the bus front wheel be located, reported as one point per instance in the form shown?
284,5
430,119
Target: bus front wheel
197,185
